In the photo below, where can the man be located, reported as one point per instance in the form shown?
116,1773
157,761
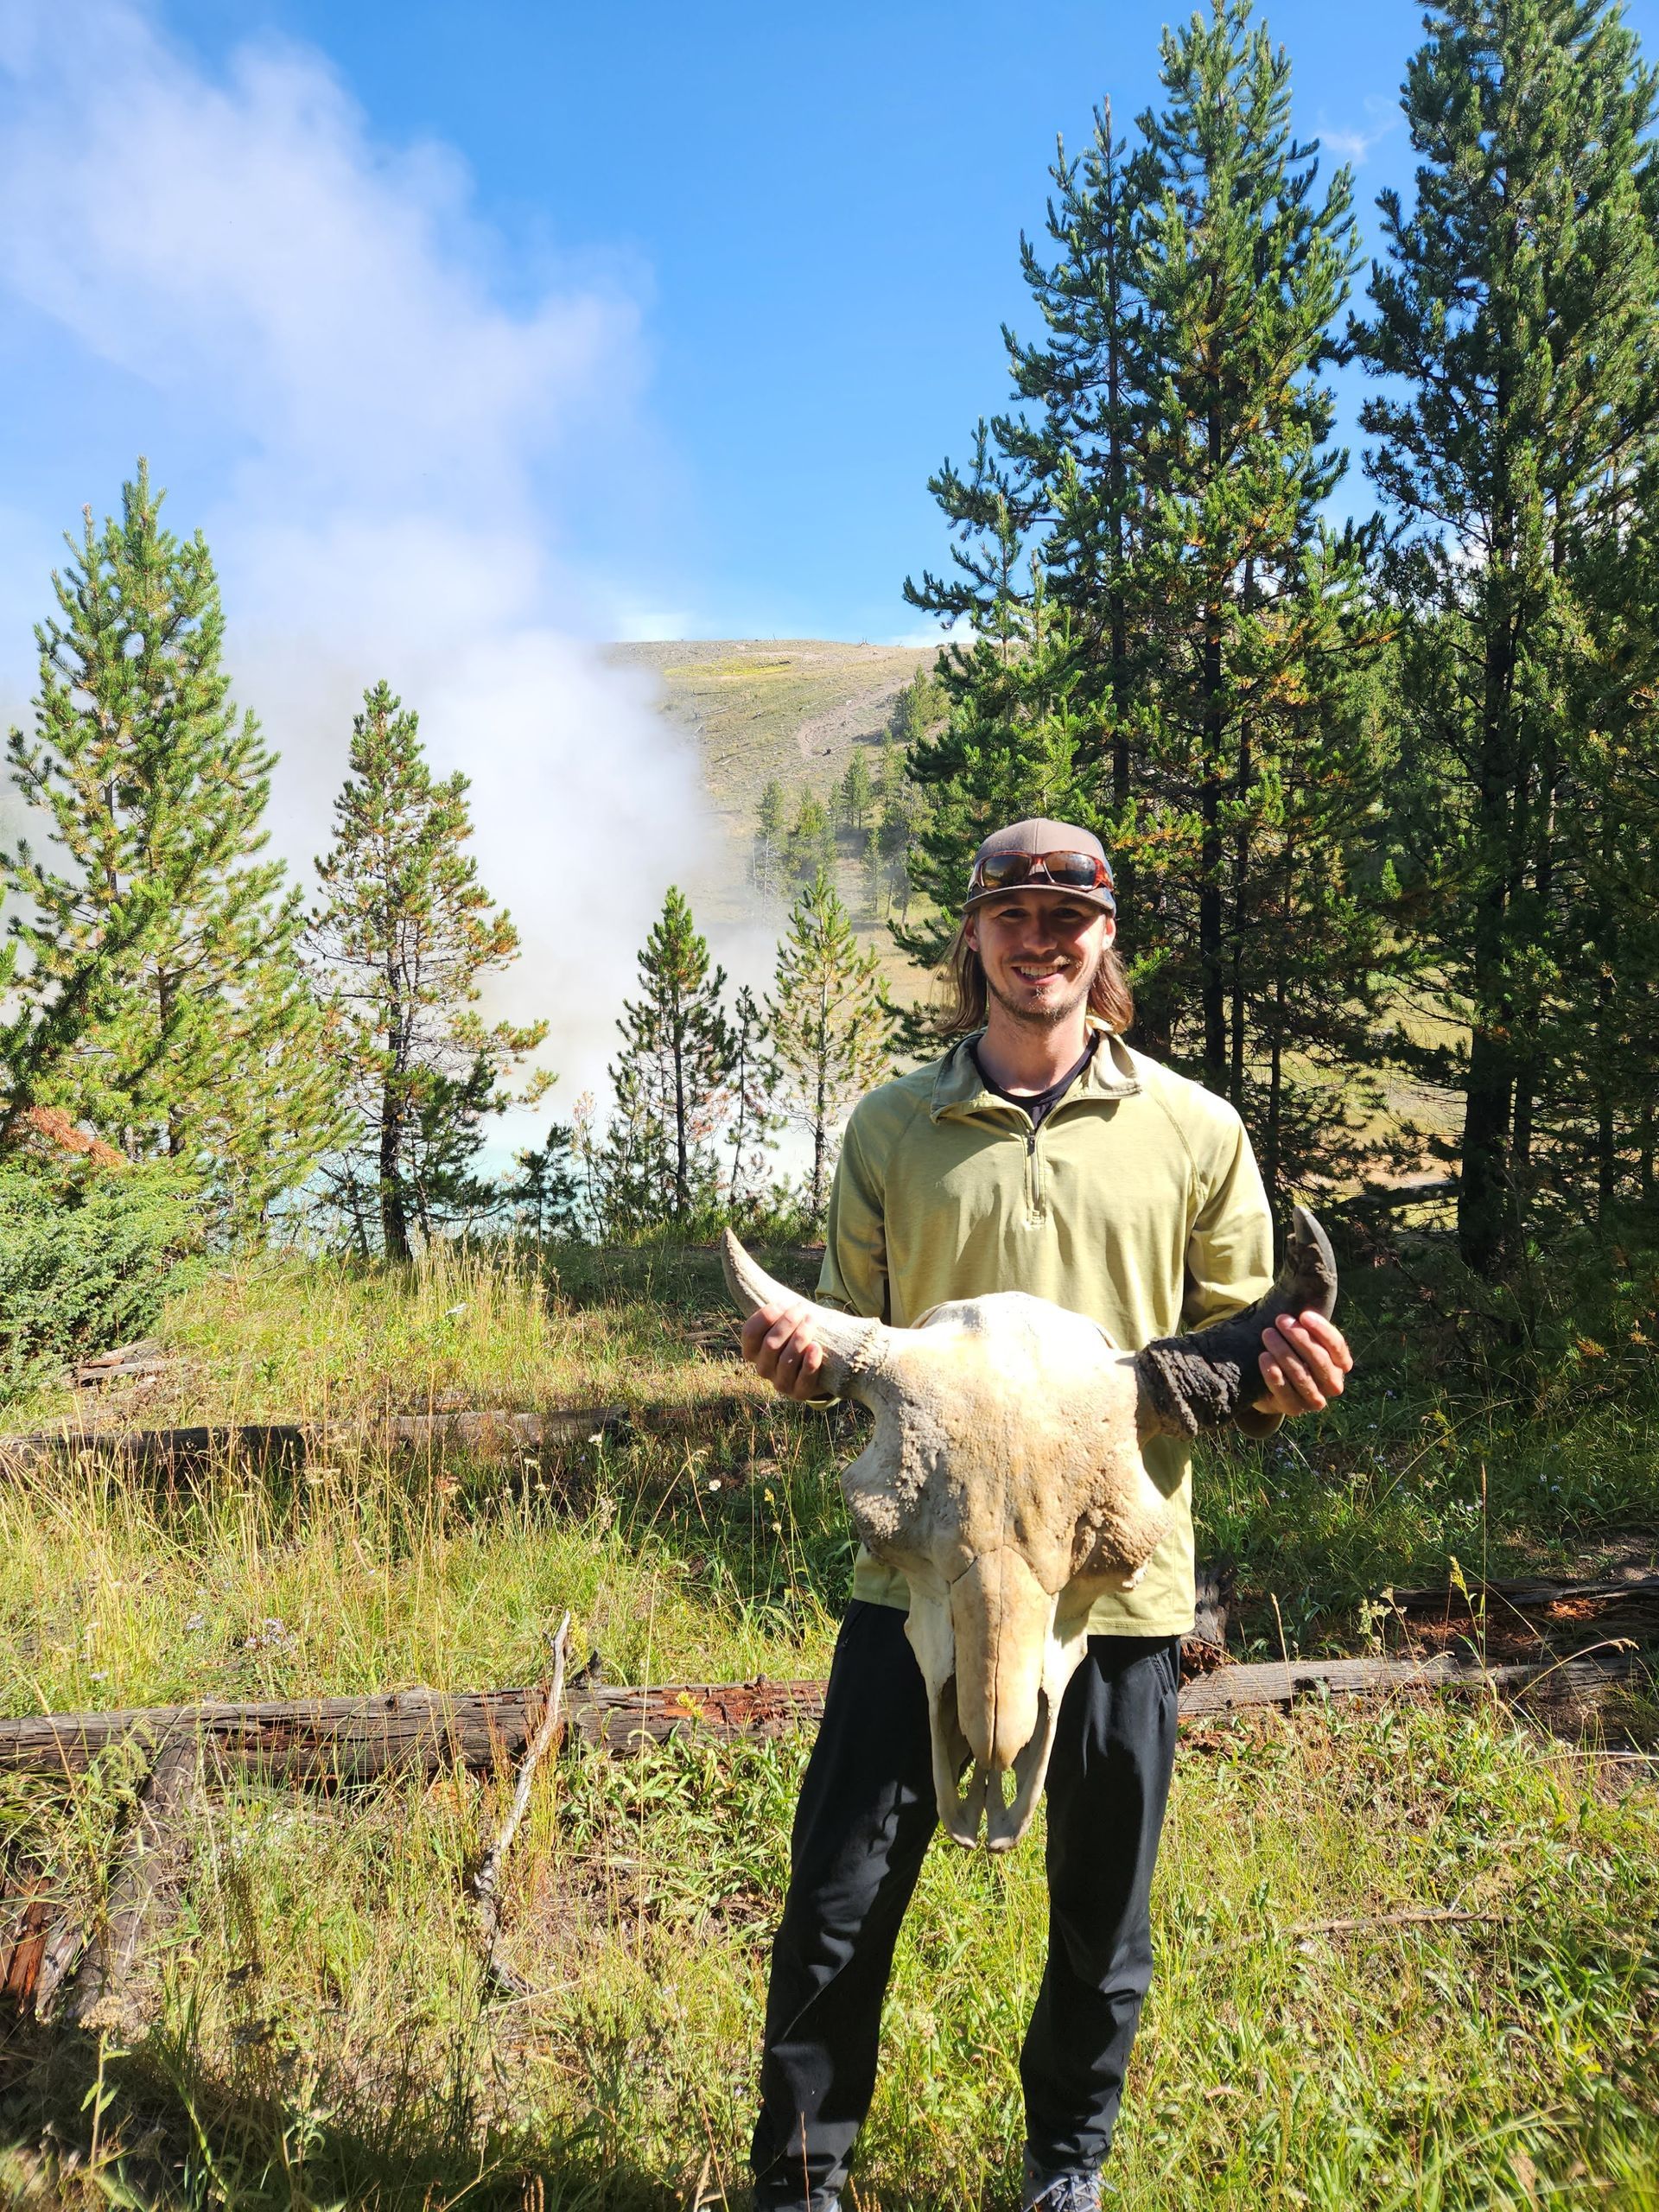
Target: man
1039,1154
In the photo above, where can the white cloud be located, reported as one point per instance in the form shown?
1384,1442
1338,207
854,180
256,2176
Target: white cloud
1354,145
402,451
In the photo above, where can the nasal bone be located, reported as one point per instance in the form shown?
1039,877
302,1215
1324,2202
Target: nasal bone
1000,1618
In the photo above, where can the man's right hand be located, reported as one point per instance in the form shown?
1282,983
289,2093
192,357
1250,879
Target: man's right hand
779,1343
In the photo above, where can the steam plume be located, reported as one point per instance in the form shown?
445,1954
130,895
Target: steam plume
313,326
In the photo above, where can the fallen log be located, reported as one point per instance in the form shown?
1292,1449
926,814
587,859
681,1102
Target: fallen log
1279,1682
175,1453
351,1740
188,1454
96,1990
355,1739
1530,1597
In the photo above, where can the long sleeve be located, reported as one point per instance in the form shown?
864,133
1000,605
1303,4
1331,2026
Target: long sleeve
854,1272
1230,1255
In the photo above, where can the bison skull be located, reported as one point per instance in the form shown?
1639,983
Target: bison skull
1005,1480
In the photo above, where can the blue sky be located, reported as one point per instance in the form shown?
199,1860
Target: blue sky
818,210
811,213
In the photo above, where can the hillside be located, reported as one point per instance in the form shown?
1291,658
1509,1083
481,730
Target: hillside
791,708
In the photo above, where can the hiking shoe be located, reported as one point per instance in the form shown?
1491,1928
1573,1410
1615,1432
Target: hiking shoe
1058,2192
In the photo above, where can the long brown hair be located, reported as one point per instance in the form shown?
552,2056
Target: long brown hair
961,999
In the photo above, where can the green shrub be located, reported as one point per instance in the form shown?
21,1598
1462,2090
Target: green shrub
84,1261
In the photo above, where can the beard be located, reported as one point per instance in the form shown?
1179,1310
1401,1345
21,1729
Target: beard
1048,1016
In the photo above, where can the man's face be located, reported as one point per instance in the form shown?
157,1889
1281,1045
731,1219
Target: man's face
1039,949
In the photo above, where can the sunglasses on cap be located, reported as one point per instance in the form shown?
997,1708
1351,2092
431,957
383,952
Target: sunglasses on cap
1065,871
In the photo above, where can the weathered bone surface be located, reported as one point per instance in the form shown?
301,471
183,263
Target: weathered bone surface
1005,1480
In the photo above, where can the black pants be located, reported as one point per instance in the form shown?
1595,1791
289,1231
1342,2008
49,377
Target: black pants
862,1828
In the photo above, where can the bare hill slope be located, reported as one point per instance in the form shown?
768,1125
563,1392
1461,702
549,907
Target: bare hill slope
793,707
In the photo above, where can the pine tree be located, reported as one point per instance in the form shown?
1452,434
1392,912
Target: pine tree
158,994
831,1025
545,1201
771,824
917,707
751,1083
1514,318
1260,774
874,871
1169,648
1604,1039
890,781
857,790
810,848
403,936
670,1080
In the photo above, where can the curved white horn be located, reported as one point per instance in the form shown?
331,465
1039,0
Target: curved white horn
849,1343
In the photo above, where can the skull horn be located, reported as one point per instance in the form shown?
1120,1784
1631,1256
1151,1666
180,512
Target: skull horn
850,1345
1199,1382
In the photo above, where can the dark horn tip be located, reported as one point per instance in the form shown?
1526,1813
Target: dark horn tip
1310,1263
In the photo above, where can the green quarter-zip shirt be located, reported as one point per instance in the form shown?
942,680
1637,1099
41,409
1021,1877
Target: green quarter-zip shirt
1136,1202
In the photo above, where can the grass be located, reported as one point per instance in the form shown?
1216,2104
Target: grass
323,2035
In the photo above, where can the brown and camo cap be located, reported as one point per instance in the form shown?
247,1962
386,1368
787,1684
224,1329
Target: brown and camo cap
1034,837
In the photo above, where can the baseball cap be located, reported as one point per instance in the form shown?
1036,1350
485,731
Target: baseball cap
1042,855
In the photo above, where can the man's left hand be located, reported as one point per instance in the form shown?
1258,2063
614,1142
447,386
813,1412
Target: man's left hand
1304,1358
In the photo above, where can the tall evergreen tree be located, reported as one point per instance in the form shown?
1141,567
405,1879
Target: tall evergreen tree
546,1200
670,1080
1169,645
401,941
751,1085
857,790
1513,321
158,994
831,1025
1262,769
811,845
770,830
1603,1096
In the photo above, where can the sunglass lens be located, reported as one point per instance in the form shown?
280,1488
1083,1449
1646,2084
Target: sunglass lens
998,870
1077,871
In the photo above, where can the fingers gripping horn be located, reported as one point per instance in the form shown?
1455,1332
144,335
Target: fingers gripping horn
1187,1384
851,1346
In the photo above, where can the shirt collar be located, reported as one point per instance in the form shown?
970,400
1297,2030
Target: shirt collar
959,1088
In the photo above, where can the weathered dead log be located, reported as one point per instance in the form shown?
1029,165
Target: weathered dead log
186,1455
98,1991
353,1739
1279,1682
135,1362
1528,1596
171,1454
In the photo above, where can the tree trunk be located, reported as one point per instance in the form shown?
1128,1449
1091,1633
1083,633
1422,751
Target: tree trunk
1485,1207
394,1215
682,1154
